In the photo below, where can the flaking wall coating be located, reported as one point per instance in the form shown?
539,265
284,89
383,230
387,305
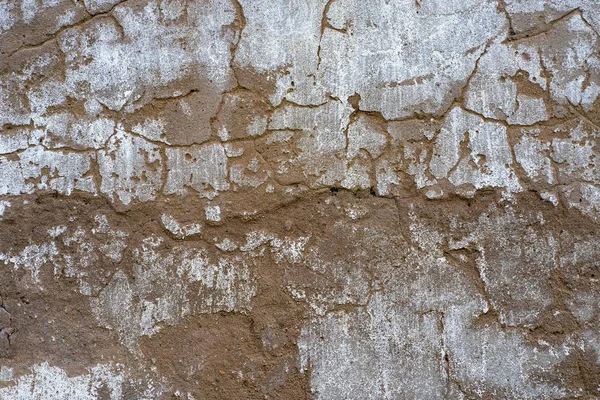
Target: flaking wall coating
299,199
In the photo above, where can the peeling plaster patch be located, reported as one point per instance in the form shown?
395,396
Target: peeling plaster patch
19,140
32,258
502,363
153,130
255,239
73,253
7,374
98,6
203,169
163,41
7,18
576,159
401,59
364,135
382,352
283,36
415,348
227,245
40,169
551,197
531,154
225,286
490,159
213,213
180,232
52,383
386,178
408,340
164,289
131,168
563,156
324,158
527,14
65,130
511,254
493,90
3,205
115,309
585,198
290,250
572,83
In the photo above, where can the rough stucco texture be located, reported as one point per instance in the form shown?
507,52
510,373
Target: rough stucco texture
299,199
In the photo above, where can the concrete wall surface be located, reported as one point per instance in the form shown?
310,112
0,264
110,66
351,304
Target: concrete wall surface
299,199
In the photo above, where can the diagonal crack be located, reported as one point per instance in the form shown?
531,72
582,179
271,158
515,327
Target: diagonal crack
325,25
62,29
546,28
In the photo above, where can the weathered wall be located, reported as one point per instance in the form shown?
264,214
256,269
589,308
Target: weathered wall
299,199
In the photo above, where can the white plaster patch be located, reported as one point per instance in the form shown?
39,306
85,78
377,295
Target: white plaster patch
161,290
3,205
490,158
201,168
40,169
131,168
401,57
213,213
162,42
48,382
32,258
180,232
